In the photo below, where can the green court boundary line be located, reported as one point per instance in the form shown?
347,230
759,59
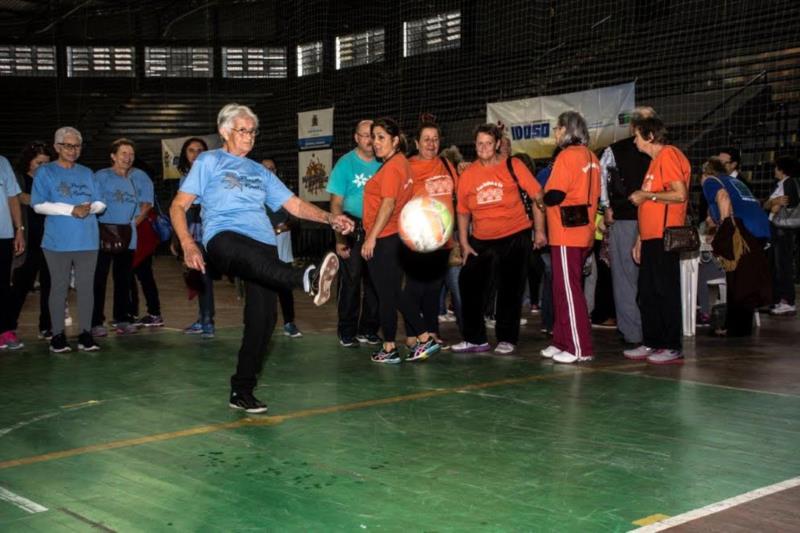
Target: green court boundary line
304,413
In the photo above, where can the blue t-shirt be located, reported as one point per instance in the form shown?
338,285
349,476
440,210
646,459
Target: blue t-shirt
233,192
745,206
543,175
348,178
119,195
8,188
144,186
74,186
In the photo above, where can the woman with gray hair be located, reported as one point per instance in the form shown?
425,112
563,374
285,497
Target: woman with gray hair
240,241
67,194
571,195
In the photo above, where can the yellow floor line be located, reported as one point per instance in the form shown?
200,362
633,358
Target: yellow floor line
305,413
652,519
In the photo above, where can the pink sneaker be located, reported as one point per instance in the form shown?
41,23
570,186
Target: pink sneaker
10,341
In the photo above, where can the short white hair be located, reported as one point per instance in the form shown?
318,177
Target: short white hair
67,130
230,112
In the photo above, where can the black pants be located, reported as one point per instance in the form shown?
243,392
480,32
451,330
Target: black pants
604,308
386,274
356,316
419,299
144,273
264,274
6,257
121,274
781,256
535,276
286,298
508,259
23,279
660,296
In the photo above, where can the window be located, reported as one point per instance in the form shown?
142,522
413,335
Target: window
27,60
440,32
359,49
309,59
100,61
188,62
253,62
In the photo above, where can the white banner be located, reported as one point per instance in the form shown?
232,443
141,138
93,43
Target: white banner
171,152
530,122
315,129
314,168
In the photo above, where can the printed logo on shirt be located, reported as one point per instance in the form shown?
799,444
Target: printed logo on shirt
71,190
234,181
439,186
408,183
123,197
743,191
590,166
359,180
490,192
647,184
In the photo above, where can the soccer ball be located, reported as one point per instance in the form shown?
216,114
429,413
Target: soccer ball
425,224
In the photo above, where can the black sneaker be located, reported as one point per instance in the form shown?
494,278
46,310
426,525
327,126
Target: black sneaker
86,343
59,344
384,356
368,339
318,279
149,321
348,342
45,334
247,402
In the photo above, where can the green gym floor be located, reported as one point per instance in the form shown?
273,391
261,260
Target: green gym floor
139,437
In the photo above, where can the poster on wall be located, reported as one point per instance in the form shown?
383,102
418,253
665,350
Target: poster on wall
530,122
171,152
315,169
315,129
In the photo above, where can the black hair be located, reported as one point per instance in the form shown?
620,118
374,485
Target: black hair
427,120
29,153
736,155
183,162
393,129
788,165
489,129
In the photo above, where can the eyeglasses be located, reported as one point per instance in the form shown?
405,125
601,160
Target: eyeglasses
242,131
363,135
68,146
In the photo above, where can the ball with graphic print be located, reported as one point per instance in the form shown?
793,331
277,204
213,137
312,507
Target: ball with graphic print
425,224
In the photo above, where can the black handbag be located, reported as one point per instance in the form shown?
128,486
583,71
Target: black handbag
680,238
115,238
575,216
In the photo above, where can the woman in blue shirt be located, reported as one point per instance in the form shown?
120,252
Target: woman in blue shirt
67,194
240,241
118,192
729,197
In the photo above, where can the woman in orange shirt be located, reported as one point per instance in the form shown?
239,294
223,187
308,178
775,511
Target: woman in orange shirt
385,194
662,203
435,178
500,241
571,196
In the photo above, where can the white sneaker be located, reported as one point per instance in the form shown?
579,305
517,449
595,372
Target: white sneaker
549,352
490,322
523,321
505,348
783,309
666,357
568,358
638,353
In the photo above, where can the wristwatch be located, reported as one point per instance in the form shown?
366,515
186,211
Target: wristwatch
653,198
20,228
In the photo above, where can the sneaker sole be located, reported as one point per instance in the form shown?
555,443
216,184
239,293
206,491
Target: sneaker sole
251,411
83,348
635,357
150,325
345,345
13,347
676,361
60,350
578,360
473,350
388,361
329,269
295,336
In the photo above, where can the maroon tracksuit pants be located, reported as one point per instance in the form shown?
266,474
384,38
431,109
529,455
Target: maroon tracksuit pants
571,328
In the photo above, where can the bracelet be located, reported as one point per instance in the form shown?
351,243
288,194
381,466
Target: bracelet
20,228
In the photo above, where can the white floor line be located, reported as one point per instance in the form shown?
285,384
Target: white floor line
719,506
23,503
5,431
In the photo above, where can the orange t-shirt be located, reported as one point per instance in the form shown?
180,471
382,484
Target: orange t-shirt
576,172
393,180
670,165
433,180
490,195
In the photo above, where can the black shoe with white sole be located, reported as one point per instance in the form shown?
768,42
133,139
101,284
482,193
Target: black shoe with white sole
59,344
318,279
246,402
86,342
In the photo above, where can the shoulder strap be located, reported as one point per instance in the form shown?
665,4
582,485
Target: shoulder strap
445,162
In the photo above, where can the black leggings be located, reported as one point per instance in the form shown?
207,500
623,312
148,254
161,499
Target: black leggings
258,265
384,269
660,296
419,299
121,273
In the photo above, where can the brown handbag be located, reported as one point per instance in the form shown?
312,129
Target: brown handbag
115,238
